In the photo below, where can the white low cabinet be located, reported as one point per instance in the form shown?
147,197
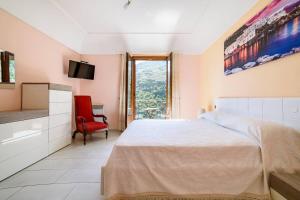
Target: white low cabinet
42,127
22,144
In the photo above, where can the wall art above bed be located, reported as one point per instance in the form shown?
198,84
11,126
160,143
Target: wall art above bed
271,34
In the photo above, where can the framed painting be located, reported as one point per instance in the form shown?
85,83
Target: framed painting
271,34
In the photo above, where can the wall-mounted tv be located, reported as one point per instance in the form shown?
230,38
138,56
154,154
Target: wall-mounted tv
81,70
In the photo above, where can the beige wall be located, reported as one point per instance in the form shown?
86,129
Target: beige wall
105,88
38,59
274,79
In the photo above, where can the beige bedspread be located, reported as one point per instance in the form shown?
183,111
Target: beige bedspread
195,159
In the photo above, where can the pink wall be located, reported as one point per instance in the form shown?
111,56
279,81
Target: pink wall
42,59
189,69
38,58
105,88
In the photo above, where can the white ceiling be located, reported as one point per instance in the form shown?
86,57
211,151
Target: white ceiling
146,26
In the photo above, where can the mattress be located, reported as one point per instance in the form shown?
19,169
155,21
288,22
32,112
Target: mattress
185,159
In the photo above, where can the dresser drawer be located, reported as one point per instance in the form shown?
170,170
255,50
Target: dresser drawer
57,144
58,120
17,130
12,147
59,131
60,96
60,107
22,160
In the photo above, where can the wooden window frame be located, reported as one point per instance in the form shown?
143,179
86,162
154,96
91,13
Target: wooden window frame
149,58
5,67
134,58
169,82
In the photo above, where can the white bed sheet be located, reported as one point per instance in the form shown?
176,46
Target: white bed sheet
184,159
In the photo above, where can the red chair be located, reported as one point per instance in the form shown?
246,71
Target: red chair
84,117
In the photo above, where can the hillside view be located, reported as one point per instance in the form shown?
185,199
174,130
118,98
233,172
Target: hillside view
150,89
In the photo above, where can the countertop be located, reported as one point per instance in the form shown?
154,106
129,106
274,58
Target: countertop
20,115
52,86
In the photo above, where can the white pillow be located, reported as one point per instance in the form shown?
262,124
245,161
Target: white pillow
214,115
211,116
238,123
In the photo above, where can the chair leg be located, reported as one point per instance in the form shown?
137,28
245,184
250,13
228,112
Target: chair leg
106,134
74,134
84,138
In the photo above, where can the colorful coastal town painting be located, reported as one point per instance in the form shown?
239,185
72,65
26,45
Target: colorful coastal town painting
271,34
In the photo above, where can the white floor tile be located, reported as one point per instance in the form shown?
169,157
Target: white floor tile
26,178
6,193
43,192
61,164
87,153
86,191
72,173
81,176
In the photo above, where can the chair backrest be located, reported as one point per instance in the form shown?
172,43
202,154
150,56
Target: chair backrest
83,107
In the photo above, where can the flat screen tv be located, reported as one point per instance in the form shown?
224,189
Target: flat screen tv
81,70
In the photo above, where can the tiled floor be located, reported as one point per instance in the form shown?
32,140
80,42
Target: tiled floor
72,173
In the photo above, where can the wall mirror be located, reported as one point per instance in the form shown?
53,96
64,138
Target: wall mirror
7,70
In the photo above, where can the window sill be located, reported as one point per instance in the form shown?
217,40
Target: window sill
7,85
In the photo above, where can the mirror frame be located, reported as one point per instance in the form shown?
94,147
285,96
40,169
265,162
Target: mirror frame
6,85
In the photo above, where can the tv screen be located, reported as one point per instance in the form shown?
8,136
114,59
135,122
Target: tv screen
81,70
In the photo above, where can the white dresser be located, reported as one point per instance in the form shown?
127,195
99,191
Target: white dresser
58,100
60,115
42,127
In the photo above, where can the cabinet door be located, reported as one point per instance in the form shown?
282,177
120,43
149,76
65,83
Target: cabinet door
18,137
29,156
22,144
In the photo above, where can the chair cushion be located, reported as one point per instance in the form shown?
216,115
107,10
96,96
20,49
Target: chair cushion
92,126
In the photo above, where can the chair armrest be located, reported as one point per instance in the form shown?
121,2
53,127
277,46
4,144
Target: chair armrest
100,116
103,116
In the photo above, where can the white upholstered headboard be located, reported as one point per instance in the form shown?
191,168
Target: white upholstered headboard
282,110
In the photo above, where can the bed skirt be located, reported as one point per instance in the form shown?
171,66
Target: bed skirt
165,196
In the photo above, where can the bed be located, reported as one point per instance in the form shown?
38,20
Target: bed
214,157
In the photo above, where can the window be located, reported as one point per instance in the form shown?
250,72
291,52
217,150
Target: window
7,68
148,87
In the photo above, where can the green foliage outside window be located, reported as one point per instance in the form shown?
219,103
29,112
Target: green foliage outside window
12,76
151,90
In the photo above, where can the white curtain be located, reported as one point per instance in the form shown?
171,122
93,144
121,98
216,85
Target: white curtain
175,114
122,103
